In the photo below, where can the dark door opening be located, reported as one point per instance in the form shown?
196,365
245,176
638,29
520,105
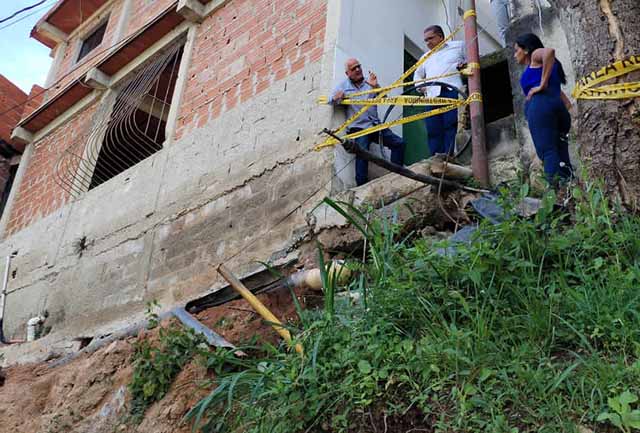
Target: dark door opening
4,197
496,91
414,133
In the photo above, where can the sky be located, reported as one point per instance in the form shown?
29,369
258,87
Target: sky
23,60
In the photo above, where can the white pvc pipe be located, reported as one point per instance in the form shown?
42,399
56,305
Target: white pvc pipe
32,327
5,283
313,277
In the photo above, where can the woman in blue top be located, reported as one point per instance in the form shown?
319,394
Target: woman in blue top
547,106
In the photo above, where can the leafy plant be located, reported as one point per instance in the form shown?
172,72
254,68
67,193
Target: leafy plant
157,362
623,416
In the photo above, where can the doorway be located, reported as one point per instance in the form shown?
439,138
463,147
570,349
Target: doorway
414,133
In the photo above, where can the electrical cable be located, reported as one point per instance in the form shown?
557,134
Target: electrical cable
28,15
15,14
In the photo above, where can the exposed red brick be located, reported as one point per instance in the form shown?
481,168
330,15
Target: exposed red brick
241,50
38,194
276,39
12,101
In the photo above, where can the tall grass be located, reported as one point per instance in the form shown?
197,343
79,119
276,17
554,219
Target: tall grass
532,327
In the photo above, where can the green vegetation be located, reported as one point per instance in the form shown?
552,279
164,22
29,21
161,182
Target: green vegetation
535,327
157,363
623,417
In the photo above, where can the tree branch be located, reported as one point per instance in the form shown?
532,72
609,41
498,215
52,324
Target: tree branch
614,29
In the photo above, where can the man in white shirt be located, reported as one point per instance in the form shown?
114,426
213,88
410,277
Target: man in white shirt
441,129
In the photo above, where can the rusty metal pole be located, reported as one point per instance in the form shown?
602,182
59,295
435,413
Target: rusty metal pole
479,162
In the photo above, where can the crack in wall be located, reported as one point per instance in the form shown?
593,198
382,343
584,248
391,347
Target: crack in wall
172,218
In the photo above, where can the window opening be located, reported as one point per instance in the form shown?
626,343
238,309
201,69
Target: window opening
127,129
92,41
137,128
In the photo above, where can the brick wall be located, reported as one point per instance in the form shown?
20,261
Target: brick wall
69,69
243,49
11,101
240,51
143,11
38,193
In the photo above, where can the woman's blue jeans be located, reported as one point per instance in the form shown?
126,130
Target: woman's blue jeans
549,123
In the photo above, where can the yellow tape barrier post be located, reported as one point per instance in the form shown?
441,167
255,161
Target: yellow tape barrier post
479,159
585,88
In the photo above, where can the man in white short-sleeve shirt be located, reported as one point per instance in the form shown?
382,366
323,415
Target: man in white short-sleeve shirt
441,129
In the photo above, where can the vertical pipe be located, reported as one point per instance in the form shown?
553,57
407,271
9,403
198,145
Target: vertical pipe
5,283
3,295
479,162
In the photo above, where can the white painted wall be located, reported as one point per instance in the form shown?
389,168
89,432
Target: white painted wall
374,32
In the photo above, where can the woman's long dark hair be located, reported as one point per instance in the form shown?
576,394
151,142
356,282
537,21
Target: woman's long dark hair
530,42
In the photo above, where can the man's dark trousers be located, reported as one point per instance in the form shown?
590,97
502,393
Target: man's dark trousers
442,129
388,139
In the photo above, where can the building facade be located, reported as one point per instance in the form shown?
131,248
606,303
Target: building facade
175,135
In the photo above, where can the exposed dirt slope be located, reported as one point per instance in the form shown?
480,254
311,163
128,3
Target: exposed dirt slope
90,393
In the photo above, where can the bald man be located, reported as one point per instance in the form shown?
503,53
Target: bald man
355,82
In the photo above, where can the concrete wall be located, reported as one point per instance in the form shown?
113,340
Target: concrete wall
157,230
233,188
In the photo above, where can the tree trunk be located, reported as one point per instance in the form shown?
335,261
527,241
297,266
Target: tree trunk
600,32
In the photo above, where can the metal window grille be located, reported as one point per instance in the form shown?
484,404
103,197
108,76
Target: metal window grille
128,127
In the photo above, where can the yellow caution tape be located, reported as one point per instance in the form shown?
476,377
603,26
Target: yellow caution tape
472,66
474,97
466,71
469,13
405,100
585,88
613,91
400,81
